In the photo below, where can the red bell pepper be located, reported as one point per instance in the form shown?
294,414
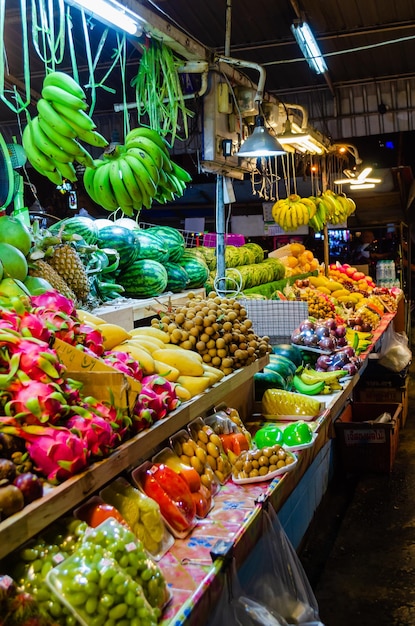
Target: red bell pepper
172,494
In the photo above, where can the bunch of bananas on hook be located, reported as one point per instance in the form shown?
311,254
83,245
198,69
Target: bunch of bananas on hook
294,211
51,139
338,206
133,175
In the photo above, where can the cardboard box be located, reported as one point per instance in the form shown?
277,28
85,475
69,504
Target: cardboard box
385,395
364,446
103,382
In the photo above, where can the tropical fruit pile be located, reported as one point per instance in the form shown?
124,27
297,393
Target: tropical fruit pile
315,211
51,139
296,259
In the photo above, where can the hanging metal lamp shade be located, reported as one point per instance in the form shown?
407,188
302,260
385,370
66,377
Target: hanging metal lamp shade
260,143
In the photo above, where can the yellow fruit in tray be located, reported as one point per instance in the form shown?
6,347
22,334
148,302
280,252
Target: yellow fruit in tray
280,402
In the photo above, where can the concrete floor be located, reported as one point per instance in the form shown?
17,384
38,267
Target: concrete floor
359,554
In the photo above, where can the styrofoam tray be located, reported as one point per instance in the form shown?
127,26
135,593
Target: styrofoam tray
300,446
267,477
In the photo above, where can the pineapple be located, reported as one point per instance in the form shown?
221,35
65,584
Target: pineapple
42,269
68,264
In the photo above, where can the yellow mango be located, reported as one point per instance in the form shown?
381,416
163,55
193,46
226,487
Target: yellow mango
318,281
334,285
168,371
339,293
194,384
112,335
149,343
182,393
324,290
214,371
181,360
191,353
151,331
89,318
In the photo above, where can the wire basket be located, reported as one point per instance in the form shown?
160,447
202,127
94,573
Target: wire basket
275,318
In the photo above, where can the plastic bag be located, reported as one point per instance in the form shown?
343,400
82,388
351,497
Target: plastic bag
235,609
394,354
277,578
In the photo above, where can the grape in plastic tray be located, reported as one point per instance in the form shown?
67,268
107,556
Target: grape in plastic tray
97,591
120,543
142,515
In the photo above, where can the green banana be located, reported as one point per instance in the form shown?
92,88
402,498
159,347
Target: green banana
88,180
130,183
64,81
55,120
120,192
103,189
68,144
91,137
308,389
42,162
143,180
148,163
150,147
84,157
149,133
57,95
46,145
67,171
181,173
75,118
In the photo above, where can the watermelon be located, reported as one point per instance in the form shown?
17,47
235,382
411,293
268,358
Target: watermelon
196,269
173,238
150,245
120,239
78,225
145,278
177,277
291,352
257,251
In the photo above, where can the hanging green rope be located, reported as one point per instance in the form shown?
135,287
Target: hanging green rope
159,93
49,47
14,96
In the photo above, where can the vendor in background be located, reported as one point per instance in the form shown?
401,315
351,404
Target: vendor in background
369,250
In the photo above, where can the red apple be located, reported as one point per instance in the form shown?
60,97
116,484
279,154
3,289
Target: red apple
350,271
358,276
30,485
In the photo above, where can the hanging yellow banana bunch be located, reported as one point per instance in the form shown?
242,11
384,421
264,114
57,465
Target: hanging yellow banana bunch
294,211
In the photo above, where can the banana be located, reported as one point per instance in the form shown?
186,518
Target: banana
311,206
149,133
68,144
151,148
75,118
37,158
181,173
67,171
103,188
352,205
147,161
306,388
88,180
143,180
293,216
46,145
130,182
55,120
54,176
57,95
91,137
120,192
84,157
65,82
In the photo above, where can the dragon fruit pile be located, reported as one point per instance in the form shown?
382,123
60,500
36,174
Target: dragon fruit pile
63,430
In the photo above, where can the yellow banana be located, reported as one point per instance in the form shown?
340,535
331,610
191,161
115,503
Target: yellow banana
294,215
311,206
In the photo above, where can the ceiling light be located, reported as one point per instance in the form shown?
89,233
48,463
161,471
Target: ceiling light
113,13
354,178
309,46
260,143
303,142
362,186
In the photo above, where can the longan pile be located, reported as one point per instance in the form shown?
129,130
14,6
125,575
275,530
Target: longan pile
255,463
217,328
319,305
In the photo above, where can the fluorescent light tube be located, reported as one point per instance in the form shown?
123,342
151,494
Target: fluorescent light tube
309,47
113,13
362,185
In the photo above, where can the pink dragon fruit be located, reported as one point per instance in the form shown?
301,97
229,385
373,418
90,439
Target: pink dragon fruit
54,301
118,418
143,417
96,433
89,337
32,325
35,402
37,360
57,453
163,388
123,362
